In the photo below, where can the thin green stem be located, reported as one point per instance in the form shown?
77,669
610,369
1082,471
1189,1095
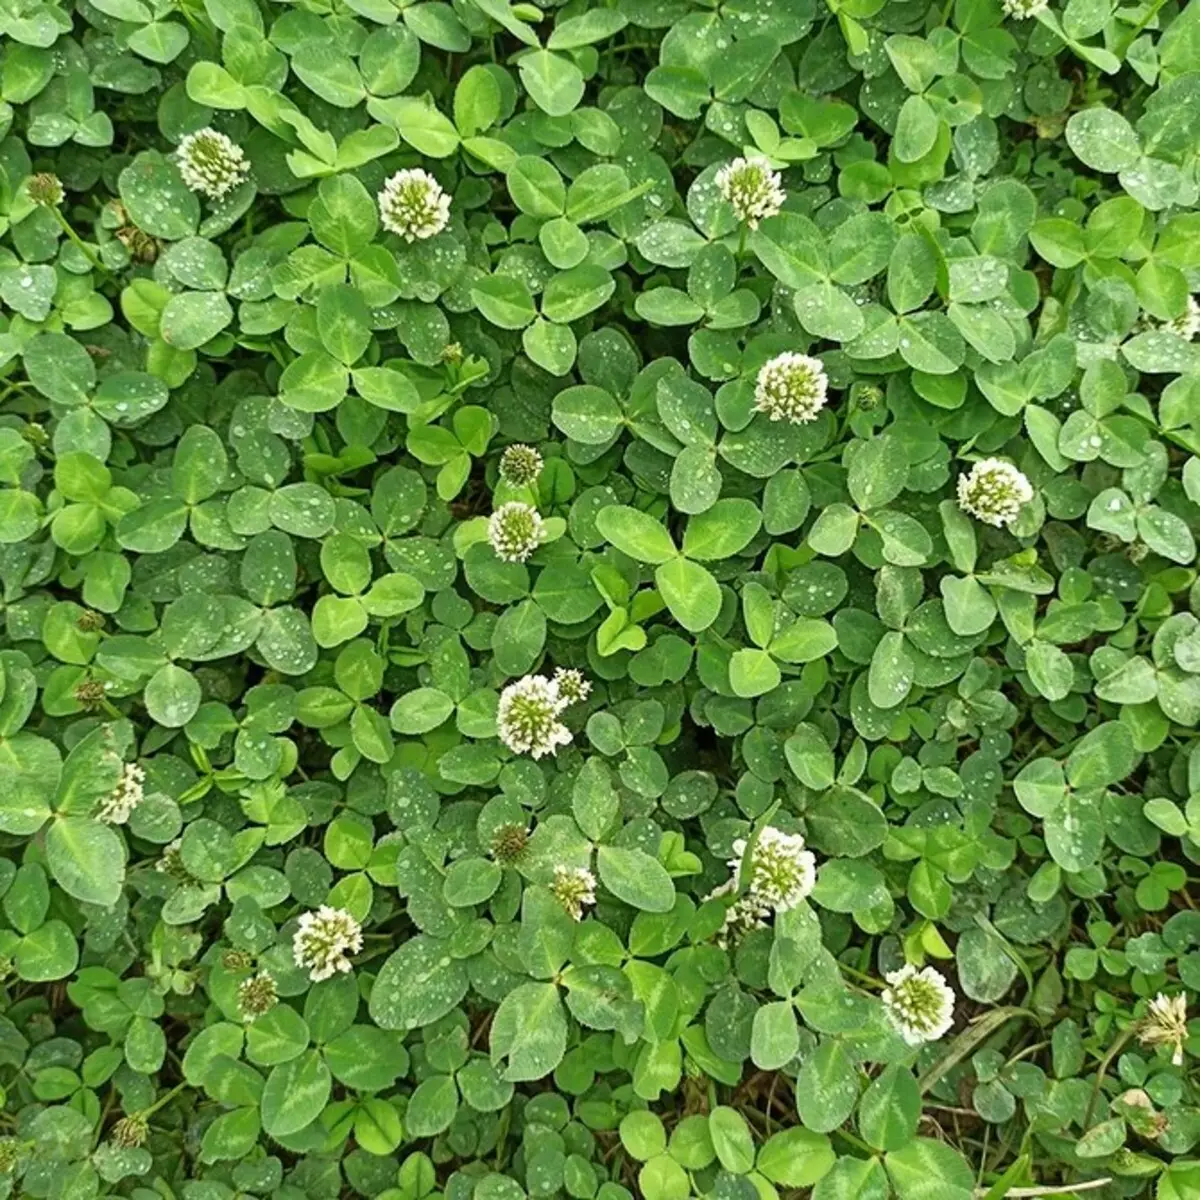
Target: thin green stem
1151,13
164,1099
861,976
856,1141
1101,1071
79,243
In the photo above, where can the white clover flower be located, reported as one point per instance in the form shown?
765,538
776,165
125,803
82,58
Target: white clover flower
414,205
752,188
782,874
993,491
520,465
1166,1024
782,871
572,687
919,1003
211,163
527,717
573,888
515,531
115,808
1022,10
322,940
1186,326
746,913
791,387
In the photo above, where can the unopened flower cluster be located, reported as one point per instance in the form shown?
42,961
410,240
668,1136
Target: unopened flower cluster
919,1003
573,687
754,191
45,189
574,888
527,715
257,995
1166,1024
515,531
117,807
170,860
211,163
509,843
520,465
130,1132
413,205
782,873
322,941
993,491
791,387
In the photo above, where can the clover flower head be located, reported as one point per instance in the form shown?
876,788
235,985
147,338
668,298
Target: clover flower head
9,1155
753,190
170,861
211,163
920,1003
869,397
322,941
573,688
89,693
414,205
1166,1024
574,888
745,914
115,808
1022,10
35,434
993,491
515,531
782,871
89,621
1186,326
141,246
527,717
520,465
791,387
130,1132
509,842
257,995
45,189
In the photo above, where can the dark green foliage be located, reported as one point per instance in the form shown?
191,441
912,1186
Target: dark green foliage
600,600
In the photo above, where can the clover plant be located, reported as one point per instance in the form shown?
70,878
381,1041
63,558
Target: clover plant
599,599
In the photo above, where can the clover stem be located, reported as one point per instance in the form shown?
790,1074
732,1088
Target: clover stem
1137,29
164,1099
855,1141
861,976
1066,1190
79,243
1101,1070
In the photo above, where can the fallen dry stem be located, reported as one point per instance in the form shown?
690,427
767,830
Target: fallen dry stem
1023,1193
